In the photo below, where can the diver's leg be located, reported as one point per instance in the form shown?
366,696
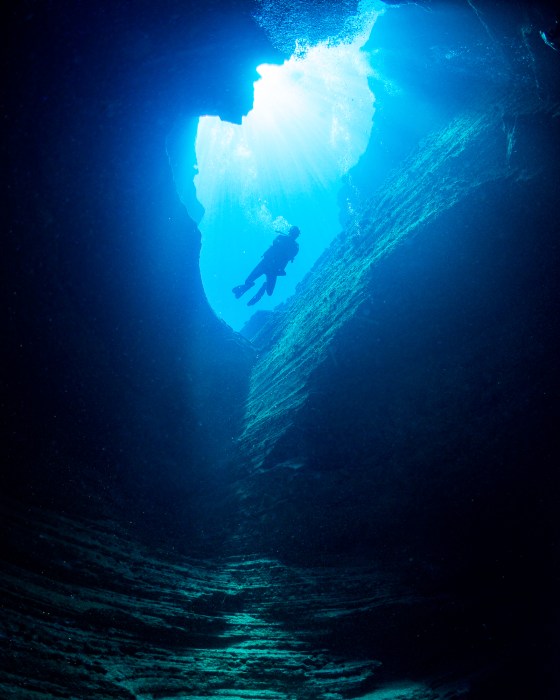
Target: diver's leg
259,270
258,295
241,289
270,284
250,281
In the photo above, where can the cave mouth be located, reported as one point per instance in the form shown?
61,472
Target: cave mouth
284,165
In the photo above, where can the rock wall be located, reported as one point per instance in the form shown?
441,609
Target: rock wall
401,412
105,311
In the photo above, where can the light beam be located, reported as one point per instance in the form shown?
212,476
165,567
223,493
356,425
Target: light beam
283,165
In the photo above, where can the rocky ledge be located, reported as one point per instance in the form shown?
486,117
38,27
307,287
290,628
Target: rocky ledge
88,612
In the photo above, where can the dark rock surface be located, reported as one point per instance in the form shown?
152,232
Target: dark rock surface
98,341
131,622
385,523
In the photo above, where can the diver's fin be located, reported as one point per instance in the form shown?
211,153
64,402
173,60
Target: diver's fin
258,295
241,289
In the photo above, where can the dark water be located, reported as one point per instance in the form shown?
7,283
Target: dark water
362,501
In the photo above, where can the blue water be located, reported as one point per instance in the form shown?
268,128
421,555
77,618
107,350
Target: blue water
282,166
412,428
325,128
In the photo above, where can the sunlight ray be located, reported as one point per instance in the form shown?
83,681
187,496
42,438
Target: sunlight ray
284,164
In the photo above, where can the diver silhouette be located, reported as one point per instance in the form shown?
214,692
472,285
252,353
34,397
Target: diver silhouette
274,260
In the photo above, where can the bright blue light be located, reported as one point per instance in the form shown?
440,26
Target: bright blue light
283,165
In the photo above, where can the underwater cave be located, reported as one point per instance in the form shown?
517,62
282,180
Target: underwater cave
348,489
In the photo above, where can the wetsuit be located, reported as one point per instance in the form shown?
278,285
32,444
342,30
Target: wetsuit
283,250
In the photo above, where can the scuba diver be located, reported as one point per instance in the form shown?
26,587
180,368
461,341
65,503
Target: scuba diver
283,250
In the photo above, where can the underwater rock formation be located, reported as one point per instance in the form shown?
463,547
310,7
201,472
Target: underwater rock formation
103,296
400,410
385,523
132,622
444,179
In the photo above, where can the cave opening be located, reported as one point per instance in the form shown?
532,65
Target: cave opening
325,127
284,165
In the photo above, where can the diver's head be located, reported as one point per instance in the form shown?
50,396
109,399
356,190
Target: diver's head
294,232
